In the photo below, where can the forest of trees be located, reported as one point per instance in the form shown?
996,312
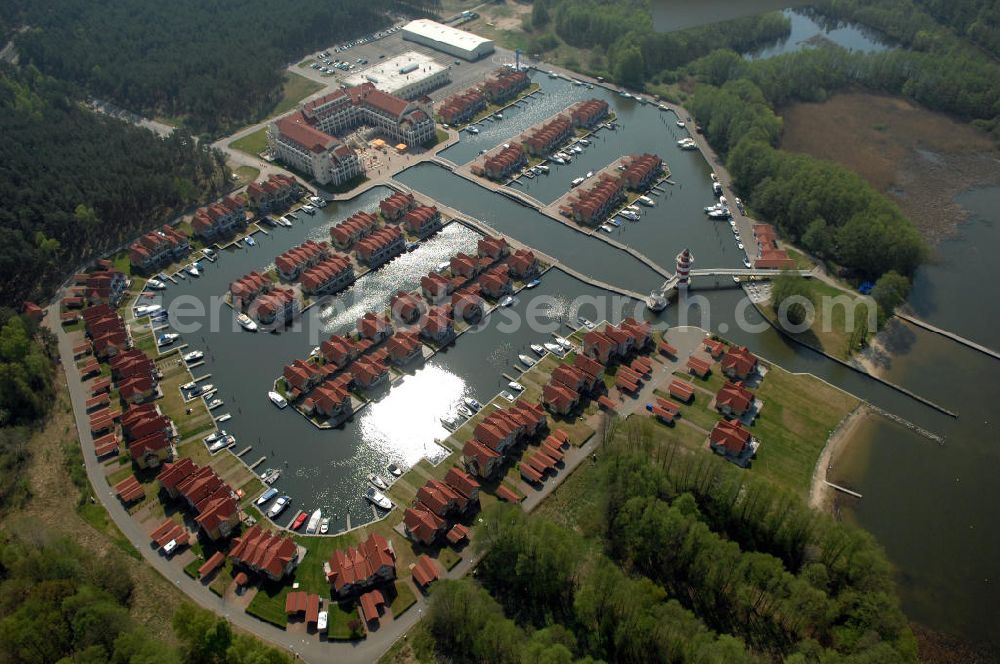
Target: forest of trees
214,65
76,184
692,562
824,207
636,53
26,394
59,603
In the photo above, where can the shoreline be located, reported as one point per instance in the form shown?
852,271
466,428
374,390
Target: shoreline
821,496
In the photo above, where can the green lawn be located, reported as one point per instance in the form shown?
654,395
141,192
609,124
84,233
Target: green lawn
269,603
343,622
252,144
448,558
798,415
831,330
296,89
405,598
191,569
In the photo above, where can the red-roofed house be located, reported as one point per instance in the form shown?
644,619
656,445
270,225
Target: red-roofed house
438,325
371,603
278,306
129,490
493,247
734,400
435,287
425,571
467,305
276,193
699,367
479,459
406,307
246,288
374,327
733,442
404,347
268,553
738,363
331,275
681,390
381,246
423,220
397,205
356,227
220,219
422,525
560,399
369,373
465,485
354,569
158,248
150,451
339,350
523,264
291,263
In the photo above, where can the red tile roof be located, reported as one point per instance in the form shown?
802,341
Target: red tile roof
211,564
359,565
426,570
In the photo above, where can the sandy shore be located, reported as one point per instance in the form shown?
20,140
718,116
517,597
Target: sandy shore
820,495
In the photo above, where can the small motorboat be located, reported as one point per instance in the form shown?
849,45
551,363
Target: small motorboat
155,284
533,283
203,389
193,270
209,252
189,386
450,422
271,476
193,356
167,339
542,168
607,228
314,520
147,310
565,343
526,360
473,130
224,418
324,526
507,395
516,386
394,470
538,348
279,506
498,116
250,241
300,518
378,499
222,444
283,221
615,222
555,349
576,182
246,323
214,403
589,174
277,399
309,209
558,160
464,412
576,149
746,263
583,141
647,201
680,124
634,208
266,497
378,481
739,245
214,436
630,215
318,201
507,300
586,323
472,404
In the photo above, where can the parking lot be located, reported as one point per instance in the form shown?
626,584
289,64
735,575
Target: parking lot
462,75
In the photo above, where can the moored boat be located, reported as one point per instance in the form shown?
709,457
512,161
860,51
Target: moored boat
516,386
377,481
378,499
314,520
538,348
266,496
300,518
526,360
246,323
277,399
193,356
155,284
279,506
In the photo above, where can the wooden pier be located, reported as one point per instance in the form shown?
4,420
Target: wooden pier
842,489
258,462
244,450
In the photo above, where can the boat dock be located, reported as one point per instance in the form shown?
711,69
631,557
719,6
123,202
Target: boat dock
244,450
968,343
257,462
842,489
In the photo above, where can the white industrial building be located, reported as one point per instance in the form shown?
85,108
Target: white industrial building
408,76
446,39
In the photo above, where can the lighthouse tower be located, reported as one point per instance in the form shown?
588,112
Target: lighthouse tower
684,262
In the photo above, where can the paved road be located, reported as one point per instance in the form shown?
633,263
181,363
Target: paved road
309,648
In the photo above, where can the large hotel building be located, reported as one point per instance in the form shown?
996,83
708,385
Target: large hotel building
307,140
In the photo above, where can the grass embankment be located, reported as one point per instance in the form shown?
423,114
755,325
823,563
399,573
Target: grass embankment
252,144
295,89
841,325
799,412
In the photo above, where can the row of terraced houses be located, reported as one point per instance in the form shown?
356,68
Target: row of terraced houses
499,88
